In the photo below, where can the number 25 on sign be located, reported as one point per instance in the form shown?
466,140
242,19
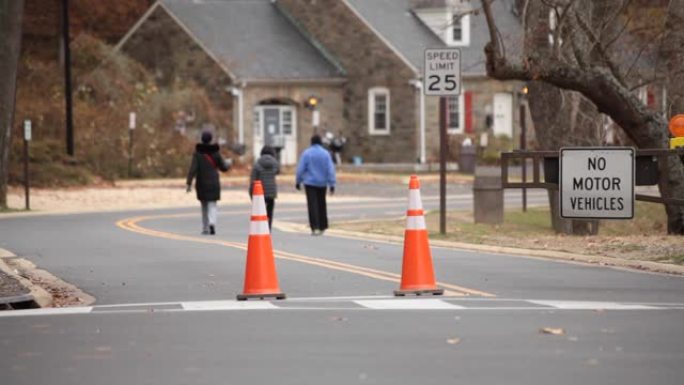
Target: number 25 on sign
442,72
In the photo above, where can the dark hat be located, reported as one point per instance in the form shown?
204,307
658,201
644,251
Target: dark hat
206,137
268,150
316,139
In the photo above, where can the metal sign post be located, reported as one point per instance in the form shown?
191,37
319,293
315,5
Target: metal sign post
442,77
597,182
27,139
131,128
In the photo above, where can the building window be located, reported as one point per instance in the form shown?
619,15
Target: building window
457,28
257,122
553,25
287,122
458,33
379,111
455,114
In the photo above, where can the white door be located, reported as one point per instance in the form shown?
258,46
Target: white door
503,114
276,126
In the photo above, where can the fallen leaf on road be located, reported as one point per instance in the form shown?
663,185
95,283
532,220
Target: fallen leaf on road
341,319
552,331
453,341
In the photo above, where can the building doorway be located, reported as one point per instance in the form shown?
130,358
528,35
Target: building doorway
276,125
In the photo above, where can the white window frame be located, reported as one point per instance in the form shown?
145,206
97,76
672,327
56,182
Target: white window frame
256,122
465,30
460,129
372,93
553,24
293,120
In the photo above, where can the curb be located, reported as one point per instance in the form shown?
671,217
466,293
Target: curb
560,256
39,296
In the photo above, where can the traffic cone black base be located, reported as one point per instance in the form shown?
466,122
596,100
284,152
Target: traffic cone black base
403,293
245,297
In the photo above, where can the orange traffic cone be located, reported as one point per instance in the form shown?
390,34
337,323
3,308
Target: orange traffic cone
417,275
261,280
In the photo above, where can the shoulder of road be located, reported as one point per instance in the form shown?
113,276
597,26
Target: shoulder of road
635,265
31,287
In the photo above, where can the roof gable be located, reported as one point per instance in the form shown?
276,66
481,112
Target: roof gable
399,27
252,39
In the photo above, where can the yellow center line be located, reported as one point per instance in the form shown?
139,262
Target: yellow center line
133,225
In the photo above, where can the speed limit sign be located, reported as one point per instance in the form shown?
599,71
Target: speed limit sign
442,72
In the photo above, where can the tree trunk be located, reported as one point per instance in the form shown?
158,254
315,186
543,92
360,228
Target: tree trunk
553,115
599,84
11,12
673,52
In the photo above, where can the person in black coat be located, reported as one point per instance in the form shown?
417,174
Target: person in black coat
265,169
206,162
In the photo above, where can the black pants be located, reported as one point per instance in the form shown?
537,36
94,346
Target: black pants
318,210
270,205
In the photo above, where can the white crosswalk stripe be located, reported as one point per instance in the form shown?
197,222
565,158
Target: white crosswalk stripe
406,304
373,303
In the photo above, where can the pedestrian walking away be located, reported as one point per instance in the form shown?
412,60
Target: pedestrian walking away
265,170
317,172
204,168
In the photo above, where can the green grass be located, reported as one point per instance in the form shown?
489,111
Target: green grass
9,210
534,222
642,238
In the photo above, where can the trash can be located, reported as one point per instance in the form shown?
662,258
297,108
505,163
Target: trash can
466,160
488,197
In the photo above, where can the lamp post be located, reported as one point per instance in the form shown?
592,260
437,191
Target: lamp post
312,103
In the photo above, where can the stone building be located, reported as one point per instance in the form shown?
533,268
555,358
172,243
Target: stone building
262,60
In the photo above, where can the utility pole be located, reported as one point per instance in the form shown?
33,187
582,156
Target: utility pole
443,149
67,79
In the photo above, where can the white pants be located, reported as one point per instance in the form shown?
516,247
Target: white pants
209,211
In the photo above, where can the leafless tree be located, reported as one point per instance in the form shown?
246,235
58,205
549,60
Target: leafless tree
11,12
595,49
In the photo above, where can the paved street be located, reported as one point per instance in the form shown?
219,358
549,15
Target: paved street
165,310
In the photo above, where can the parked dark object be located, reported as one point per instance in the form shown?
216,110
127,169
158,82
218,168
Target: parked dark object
466,159
488,197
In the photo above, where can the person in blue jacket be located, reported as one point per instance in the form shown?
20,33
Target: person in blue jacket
317,172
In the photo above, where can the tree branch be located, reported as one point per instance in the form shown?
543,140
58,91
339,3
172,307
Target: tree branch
607,60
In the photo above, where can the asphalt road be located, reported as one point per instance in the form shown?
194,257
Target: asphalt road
165,312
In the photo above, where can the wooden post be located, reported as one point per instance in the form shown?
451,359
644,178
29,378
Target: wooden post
442,163
26,174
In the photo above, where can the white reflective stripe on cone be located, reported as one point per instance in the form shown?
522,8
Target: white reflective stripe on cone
258,228
415,223
258,205
415,202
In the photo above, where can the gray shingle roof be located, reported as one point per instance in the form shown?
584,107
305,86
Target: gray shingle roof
252,39
394,20
396,23
511,32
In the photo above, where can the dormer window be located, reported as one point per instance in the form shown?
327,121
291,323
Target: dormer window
457,28
458,33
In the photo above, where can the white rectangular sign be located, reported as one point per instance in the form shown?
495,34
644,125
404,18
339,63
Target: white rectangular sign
442,72
597,182
131,121
27,130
